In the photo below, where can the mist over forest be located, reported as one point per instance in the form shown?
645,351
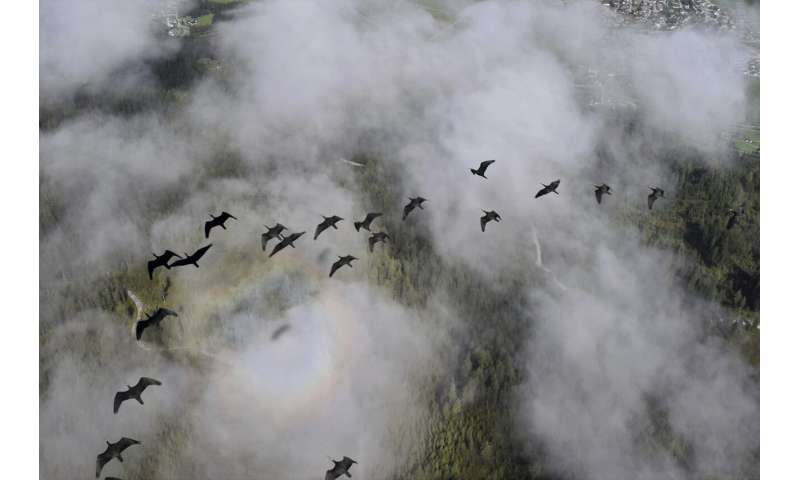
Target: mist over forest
573,339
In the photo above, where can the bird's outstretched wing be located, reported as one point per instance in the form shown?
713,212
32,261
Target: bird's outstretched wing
541,192
280,246
145,382
124,443
118,399
484,221
320,228
208,226
407,209
151,266
264,240
102,459
651,199
372,241
330,474
198,254
598,194
335,267
372,216
141,325
165,312
484,165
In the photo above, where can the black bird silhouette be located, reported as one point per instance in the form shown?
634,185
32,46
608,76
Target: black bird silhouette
134,392
482,168
340,468
153,320
377,237
218,221
113,450
488,217
328,222
272,232
160,261
280,331
191,259
600,190
654,194
414,203
367,221
548,188
288,241
734,215
342,262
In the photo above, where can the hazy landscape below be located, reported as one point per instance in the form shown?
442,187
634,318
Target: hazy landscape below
570,340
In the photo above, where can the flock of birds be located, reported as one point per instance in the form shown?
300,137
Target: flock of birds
278,232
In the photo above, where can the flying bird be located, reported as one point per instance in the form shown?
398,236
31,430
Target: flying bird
218,221
600,190
153,320
191,259
328,222
160,261
114,450
482,168
488,217
134,392
288,241
272,232
280,331
340,468
734,215
654,194
377,237
548,188
346,260
367,221
414,203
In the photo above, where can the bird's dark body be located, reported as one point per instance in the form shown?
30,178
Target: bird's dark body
328,222
655,193
551,187
217,222
134,392
191,259
113,450
153,320
160,261
346,260
340,468
376,237
272,232
288,241
489,217
482,168
600,190
412,204
367,221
